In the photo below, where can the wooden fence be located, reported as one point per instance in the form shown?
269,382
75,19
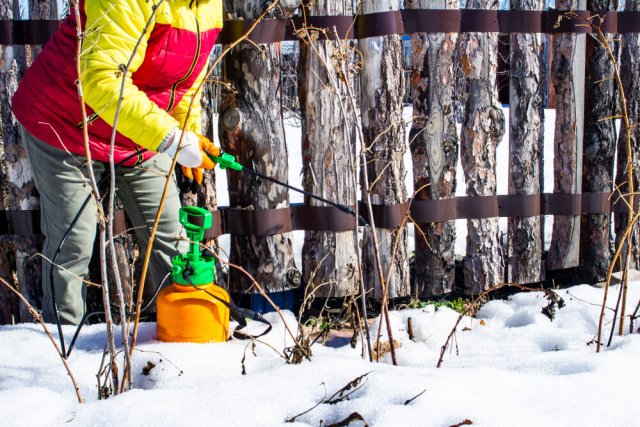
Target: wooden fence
453,82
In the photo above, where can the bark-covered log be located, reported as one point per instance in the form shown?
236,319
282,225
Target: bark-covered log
329,259
526,137
20,189
630,75
434,150
251,128
8,301
382,91
568,80
599,149
482,130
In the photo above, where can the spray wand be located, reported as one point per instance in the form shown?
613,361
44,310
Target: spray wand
228,161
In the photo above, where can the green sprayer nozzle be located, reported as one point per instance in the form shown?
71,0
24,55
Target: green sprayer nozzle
193,268
226,160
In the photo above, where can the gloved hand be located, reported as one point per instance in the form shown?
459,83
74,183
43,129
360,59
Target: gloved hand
192,157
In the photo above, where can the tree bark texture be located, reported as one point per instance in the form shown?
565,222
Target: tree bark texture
20,191
630,75
482,130
526,137
9,306
251,128
568,80
433,141
382,86
599,149
329,259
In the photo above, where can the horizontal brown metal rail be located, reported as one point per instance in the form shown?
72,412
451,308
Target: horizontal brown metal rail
407,21
301,217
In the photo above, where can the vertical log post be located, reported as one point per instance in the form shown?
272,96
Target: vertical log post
382,87
482,130
599,149
434,143
22,198
568,80
251,128
329,259
9,307
526,137
630,76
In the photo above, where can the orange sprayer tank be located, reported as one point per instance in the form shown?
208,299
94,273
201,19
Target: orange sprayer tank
193,309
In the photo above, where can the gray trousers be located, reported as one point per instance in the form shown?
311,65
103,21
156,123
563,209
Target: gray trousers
61,179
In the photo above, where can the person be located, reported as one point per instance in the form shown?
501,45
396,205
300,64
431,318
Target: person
168,62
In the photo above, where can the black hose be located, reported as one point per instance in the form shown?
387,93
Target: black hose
343,208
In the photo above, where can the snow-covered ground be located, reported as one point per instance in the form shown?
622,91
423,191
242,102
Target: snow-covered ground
510,366
513,367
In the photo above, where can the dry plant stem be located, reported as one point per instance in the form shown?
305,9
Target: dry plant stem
616,257
374,236
96,197
38,318
124,319
633,317
154,229
632,217
617,308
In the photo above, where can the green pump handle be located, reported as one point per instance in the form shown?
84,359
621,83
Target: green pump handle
193,268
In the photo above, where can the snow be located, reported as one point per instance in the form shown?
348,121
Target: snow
510,365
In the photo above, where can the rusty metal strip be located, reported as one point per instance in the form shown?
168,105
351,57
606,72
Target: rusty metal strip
329,219
596,203
20,222
519,205
627,22
321,218
620,204
424,211
243,222
119,222
481,207
35,31
562,204
406,21
379,24
386,216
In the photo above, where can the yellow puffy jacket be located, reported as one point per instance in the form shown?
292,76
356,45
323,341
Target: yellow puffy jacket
164,71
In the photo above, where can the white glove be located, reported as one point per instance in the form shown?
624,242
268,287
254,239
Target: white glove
190,154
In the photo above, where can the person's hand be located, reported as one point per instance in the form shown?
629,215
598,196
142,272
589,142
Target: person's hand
193,157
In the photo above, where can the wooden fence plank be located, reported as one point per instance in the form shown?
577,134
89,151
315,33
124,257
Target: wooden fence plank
382,91
329,260
252,129
599,149
434,144
21,194
526,138
568,80
482,130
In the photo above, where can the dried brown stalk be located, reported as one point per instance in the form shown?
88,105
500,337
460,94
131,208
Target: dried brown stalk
97,198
